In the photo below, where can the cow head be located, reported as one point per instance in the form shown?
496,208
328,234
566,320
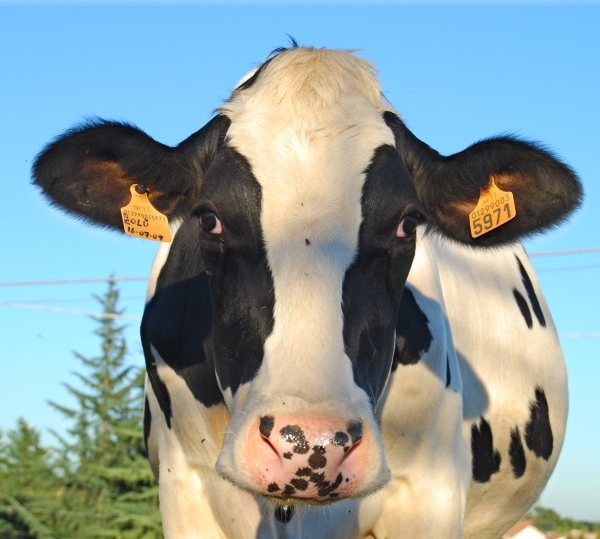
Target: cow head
300,201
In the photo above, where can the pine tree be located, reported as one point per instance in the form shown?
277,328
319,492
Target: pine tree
28,485
109,490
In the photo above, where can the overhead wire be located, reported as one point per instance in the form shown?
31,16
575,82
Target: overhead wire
21,305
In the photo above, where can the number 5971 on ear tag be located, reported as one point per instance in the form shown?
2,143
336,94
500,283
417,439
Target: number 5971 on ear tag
495,207
142,220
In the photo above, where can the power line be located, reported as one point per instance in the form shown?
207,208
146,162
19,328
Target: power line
145,278
138,318
569,252
68,311
73,281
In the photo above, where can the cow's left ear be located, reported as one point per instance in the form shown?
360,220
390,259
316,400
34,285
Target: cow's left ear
89,170
545,190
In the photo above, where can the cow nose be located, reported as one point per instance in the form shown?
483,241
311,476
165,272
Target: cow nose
317,458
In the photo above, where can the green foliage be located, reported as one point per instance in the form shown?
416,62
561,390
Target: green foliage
549,520
97,483
26,480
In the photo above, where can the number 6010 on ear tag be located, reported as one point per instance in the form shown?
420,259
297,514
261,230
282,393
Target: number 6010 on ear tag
142,220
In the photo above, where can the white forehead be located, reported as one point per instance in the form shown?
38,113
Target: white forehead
308,127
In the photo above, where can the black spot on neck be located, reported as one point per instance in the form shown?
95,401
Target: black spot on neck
538,432
486,460
524,308
535,304
413,337
517,453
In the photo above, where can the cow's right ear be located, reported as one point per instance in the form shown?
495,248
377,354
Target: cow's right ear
89,170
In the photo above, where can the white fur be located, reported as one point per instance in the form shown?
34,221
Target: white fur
308,128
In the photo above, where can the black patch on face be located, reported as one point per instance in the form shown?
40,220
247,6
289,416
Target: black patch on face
486,460
538,432
147,423
288,455
516,453
177,322
325,487
266,425
317,459
355,431
241,285
273,487
340,439
535,304
373,283
413,337
284,514
448,380
524,308
295,435
288,491
299,484
304,472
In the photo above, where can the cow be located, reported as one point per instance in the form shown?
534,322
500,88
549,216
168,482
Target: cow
334,349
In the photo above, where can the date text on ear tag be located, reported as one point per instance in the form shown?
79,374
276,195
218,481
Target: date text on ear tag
495,207
142,220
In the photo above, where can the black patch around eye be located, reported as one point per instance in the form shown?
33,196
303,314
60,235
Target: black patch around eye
208,221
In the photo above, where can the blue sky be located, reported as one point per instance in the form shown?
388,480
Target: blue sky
456,72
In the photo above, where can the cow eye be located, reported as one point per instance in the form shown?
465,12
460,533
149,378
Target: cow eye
407,226
210,222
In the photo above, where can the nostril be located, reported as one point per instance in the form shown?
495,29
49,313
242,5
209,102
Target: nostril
266,440
355,430
350,451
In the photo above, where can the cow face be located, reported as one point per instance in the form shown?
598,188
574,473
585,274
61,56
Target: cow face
307,240
298,205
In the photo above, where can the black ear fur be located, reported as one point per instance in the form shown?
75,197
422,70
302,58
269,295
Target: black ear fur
546,191
88,170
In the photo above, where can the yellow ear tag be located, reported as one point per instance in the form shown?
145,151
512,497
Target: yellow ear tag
142,220
495,207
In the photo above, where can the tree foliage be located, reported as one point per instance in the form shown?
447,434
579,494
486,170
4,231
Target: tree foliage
97,482
549,520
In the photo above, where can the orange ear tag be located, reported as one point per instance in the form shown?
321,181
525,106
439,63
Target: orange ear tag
495,207
142,220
